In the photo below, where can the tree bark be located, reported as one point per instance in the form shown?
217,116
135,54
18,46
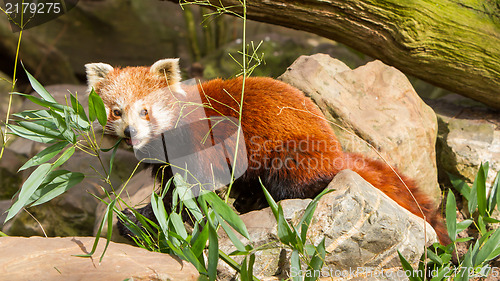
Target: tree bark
452,44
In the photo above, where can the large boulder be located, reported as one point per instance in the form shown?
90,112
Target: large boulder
376,103
38,258
468,136
363,228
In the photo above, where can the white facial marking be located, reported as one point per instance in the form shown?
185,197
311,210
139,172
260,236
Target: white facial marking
164,117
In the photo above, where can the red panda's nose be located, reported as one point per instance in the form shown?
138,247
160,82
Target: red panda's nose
129,132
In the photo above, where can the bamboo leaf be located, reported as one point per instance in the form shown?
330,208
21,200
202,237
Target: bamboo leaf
270,200
33,114
481,225
480,187
64,157
463,274
110,228
295,267
244,270
408,269
42,128
479,243
442,273
112,158
490,220
494,197
57,186
198,244
434,257
490,249
44,155
232,236
97,109
29,187
190,256
63,127
30,135
251,263
317,261
108,217
305,221
451,216
285,233
56,107
176,220
78,108
159,212
226,213
460,185
463,225
213,252
39,88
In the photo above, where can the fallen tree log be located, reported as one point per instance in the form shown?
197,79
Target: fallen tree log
451,44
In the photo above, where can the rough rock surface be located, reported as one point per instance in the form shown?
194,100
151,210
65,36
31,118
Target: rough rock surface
377,103
38,258
468,136
363,228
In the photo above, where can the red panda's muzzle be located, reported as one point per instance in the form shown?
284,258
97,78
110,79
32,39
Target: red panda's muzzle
131,142
130,132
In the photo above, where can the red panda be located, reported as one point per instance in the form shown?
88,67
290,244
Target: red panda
294,153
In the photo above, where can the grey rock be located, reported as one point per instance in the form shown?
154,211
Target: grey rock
468,136
362,227
376,103
38,258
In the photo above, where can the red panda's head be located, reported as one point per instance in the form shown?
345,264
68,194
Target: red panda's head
141,102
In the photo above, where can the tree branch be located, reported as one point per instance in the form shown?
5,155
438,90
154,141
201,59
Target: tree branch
452,44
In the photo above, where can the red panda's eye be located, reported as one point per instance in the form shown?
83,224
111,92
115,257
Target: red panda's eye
117,113
144,113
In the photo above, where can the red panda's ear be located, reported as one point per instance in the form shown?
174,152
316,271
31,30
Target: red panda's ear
167,68
96,72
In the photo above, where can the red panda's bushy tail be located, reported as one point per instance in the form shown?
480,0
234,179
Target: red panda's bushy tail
381,176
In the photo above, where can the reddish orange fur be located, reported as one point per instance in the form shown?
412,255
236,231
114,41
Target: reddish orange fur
277,115
274,111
